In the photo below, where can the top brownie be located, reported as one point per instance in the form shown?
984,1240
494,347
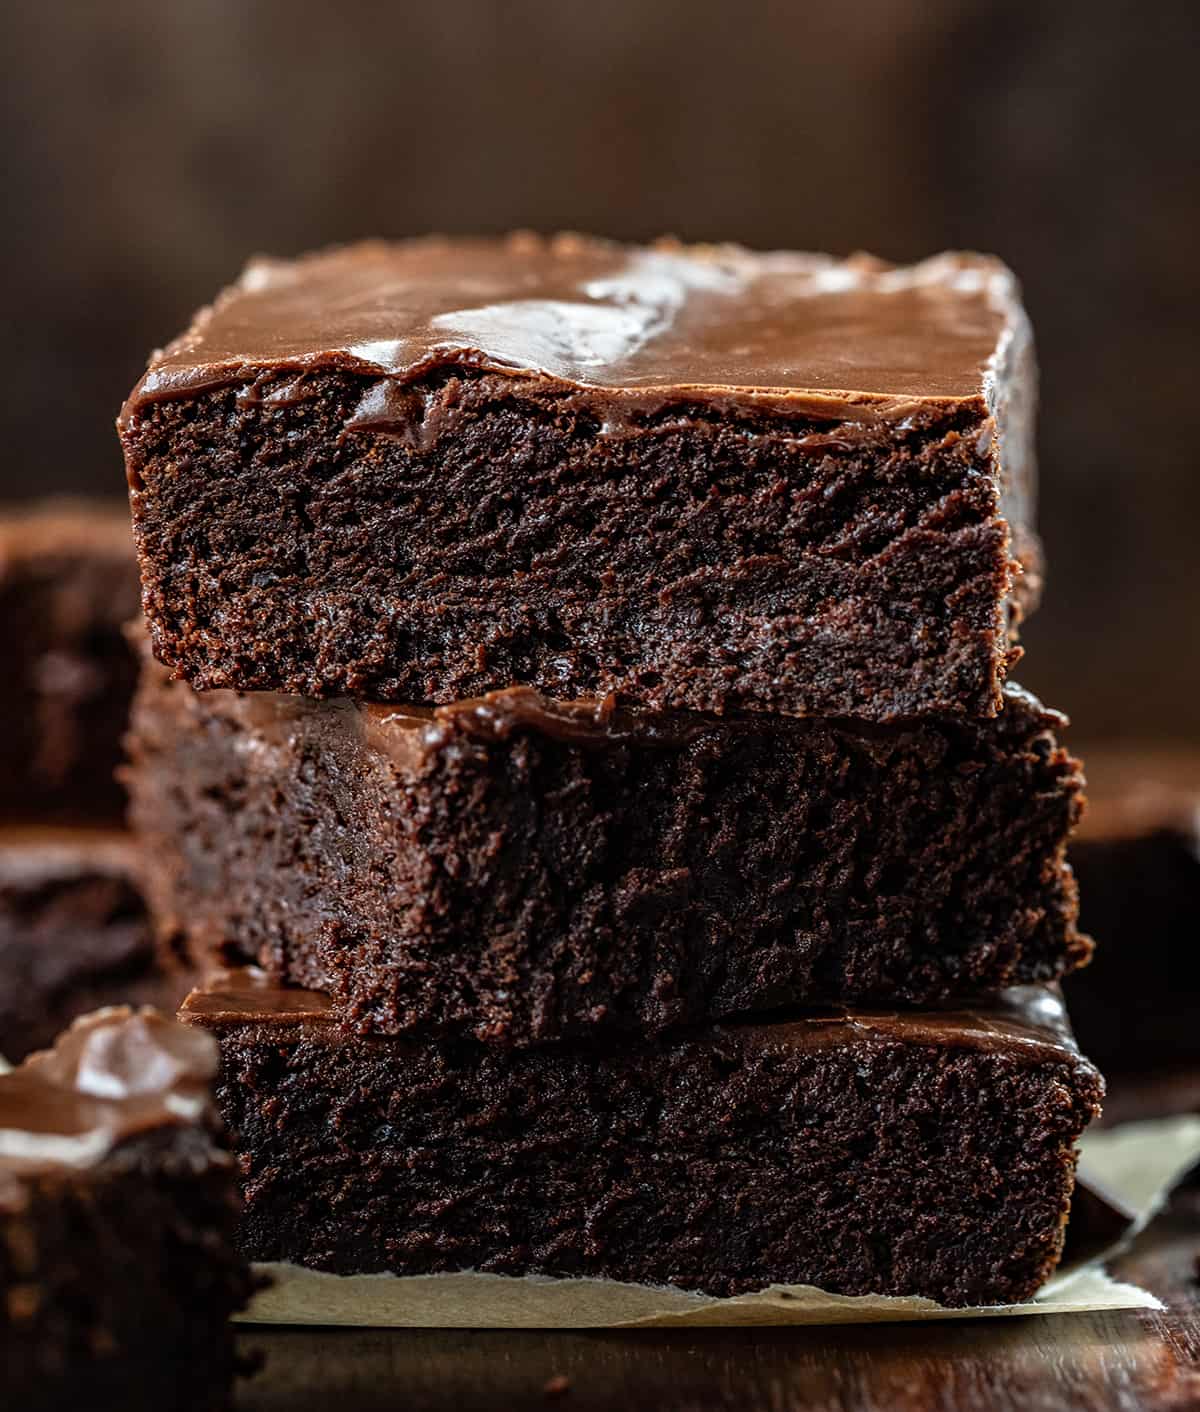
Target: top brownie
695,477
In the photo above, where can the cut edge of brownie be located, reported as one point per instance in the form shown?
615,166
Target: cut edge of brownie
861,1152
528,869
457,525
75,935
1138,864
118,1208
68,585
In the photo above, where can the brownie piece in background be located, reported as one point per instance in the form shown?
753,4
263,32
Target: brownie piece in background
527,869
1136,1008
927,1153
698,477
74,934
68,587
118,1212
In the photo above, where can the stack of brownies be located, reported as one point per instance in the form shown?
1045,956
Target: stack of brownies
580,734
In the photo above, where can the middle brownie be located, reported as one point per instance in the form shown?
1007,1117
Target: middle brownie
527,870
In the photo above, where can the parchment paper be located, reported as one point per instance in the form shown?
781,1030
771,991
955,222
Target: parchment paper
1129,1170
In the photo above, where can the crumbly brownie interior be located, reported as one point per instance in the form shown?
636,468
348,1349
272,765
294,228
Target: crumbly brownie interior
118,1212
74,935
480,870
123,1283
847,1156
503,533
68,587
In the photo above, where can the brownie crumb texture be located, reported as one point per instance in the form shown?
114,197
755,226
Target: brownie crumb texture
929,1154
529,872
372,491
74,935
68,587
118,1214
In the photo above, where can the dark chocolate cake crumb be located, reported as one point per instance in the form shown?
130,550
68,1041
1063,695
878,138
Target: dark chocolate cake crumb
74,934
919,1153
528,870
118,1211
68,587
700,478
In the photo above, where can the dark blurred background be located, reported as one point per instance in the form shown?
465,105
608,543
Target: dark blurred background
151,146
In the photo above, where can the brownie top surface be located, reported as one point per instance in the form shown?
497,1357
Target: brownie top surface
703,320
111,1076
1028,1023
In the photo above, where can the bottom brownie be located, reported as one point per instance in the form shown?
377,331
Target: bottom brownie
74,934
928,1153
118,1209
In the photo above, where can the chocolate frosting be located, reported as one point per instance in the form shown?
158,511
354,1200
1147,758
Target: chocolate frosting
1024,1022
407,733
499,714
855,339
113,1075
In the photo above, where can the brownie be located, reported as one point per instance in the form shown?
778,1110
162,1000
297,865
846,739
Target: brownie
701,478
118,1214
74,934
530,870
920,1153
68,585
1135,1007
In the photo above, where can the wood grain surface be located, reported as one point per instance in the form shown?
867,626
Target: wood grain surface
1130,1362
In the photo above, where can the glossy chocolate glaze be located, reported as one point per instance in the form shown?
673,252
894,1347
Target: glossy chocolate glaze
113,1075
500,714
1025,1022
854,340
406,732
